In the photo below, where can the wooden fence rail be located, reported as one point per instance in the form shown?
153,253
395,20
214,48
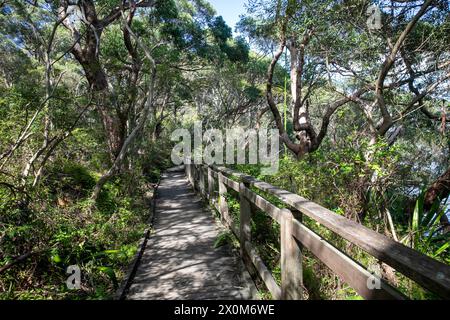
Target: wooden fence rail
214,182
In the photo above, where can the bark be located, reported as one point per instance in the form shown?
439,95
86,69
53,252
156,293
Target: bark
94,72
307,139
259,116
129,141
295,148
387,121
112,125
87,55
86,52
438,191
304,131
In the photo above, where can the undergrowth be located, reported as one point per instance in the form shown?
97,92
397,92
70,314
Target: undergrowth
62,227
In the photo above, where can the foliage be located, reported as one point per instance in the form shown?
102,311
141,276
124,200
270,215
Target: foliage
64,229
86,119
425,231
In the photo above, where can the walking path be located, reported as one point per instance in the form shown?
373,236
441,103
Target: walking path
180,261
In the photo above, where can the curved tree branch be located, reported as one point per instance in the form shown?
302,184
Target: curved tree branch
387,65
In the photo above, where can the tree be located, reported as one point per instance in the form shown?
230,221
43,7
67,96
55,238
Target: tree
306,28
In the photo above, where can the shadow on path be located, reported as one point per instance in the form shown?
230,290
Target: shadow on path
180,261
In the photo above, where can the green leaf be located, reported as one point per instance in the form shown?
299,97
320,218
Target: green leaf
430,218
415,219
434,227
111,275
222,239
56,258
111,251
418,212
442,249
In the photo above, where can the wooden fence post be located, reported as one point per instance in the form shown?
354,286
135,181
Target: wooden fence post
201,178
223,205
194,176
291,260
189,172
211,186
245,225
297,215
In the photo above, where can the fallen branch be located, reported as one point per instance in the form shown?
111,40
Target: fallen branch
18,260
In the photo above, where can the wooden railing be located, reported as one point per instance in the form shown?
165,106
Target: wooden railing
213,184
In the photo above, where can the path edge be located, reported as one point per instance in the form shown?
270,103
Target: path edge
121,292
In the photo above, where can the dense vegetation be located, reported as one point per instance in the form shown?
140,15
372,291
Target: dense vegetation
90,92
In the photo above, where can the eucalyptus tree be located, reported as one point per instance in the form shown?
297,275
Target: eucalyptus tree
387,81
174,33
376,70
131,54
230,94
30,33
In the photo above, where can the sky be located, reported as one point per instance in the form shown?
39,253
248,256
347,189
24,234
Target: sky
229,10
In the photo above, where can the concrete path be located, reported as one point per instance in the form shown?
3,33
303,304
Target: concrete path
180,261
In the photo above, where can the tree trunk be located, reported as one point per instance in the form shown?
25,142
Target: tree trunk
113,127
438,191
94,72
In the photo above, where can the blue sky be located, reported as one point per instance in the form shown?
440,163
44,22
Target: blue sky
229,10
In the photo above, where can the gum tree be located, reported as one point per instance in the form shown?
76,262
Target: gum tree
329,44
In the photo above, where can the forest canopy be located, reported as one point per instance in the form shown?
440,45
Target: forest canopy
90,92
